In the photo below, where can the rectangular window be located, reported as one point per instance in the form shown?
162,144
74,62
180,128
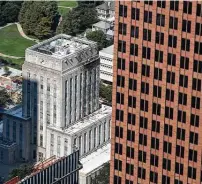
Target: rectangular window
131,101
117,179
147,34
130,152
141,172
196,84
168,130
159,56
161,4
198,10
155,143
123,11
198,30
154,160
145,88
131,119
122,28
119,115
121,64
160,38
156,109
142,156
167,147
183,81
193,155
195,102
146,52
182,98
129,168
148,2
160,20
193,138
173,22
194,120
133,67
179,168
132,84
144,105
122,46
134,49
118,165
166,164
153,177
119,98
148,17
181,116
156,126
118,148
170,77
184,62
181,134
143,139
120,81
171,60
119,132
185,44
157,73
134,32
174,5
170,95
180,151
145,70
186,26
187,7
172,41
157,91
131,135
135,14
143,122
198,66
192,172
198,47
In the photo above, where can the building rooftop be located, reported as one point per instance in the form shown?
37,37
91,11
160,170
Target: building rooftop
61,46
96,159
108,50
90,120
102,25
107,5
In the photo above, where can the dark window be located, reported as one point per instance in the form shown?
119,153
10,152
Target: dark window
180,151
192,172
184,62
198,48
145,87
143,139
122,46
185,44
155,126
123,11
130,152
181,116
166,179
174,5
118,148
119,98
171,60
173,23
129,182
135,31
119,115
117,179
154,159
166,164
131,101
198,66
168,130
155,143
172,41
187,7
153,177
156,109
131,135
119,132
120,81
183,81
169,112
135,13
198,29
186,26
170,77
198,10
178,181
145,70
160,38
147,34
179,168
121,64
142,155
195,102
149,2
196,84
133,67
194,120
134,49
131,119
159,56
167,147
118,165
160,20
132,84
143,122
144,105
170,95
161,4
157,91
129,168
157,73
148,17
193,155
122,28
182,98
141,172
193,138
146,52
181,134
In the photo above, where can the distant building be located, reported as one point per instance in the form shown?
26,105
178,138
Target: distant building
106,10
106,63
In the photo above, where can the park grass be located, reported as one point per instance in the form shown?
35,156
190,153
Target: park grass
71,4
12,43
14,63
63,11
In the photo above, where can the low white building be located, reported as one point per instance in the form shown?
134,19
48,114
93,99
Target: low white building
106,63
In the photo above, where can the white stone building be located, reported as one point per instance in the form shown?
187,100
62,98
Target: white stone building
106,64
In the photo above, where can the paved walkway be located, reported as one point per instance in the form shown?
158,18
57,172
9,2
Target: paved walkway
65,7
9,56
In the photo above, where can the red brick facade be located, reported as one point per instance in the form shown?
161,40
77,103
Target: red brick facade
159,84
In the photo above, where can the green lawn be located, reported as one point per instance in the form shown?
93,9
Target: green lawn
72,3
14,63
12,43
63,11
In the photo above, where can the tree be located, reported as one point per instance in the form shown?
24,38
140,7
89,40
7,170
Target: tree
39,19
99,37
103,176
91,3
22,171
6,69
4,97
106,92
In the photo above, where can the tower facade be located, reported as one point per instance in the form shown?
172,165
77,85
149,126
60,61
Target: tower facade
157,73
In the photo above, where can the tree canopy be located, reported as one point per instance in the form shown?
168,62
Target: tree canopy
9,11
91,3
39,19
106,92
4,97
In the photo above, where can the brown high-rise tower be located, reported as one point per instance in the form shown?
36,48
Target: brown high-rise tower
157,110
